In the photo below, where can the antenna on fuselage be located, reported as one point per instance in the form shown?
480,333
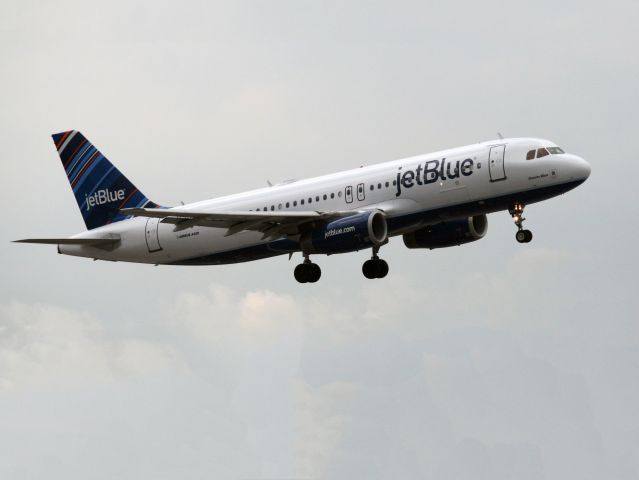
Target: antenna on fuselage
501,137
269,183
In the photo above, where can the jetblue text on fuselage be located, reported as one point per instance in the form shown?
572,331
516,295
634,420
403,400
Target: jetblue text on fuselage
432,171
103,196
338,231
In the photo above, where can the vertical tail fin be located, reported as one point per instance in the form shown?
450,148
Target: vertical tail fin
99,187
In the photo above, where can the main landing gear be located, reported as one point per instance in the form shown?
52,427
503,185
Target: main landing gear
375,267
307,272
516,211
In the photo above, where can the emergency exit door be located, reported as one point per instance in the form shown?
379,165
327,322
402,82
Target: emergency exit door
361,193
348,194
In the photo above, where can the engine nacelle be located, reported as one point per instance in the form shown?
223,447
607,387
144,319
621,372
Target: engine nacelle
356,232
448,234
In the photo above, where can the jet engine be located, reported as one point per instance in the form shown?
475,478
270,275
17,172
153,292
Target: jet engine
448,233
355,232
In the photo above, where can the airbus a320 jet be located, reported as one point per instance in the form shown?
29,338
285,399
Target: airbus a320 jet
435,200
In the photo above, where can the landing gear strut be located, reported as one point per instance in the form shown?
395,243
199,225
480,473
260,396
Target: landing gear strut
375,267
517,211
307,272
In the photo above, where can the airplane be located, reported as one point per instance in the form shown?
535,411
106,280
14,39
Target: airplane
435,200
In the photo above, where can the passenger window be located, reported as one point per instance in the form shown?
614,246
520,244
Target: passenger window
272,207
325,197
310,200
386,184
530,155
542,152
379,186
317,198
394,182
295,203
279,207
332,195
339,194
302,201
288,204
372,187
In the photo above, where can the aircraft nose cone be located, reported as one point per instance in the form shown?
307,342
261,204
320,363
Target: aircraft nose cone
583,168
579,167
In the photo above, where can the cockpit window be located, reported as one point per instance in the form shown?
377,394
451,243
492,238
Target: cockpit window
542,152
555,150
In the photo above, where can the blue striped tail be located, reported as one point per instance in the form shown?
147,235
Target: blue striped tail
99,187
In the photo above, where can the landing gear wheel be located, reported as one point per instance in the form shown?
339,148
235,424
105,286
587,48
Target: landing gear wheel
369,269
524,236
307,272
301,273
375,268
383,268
315,272
520,236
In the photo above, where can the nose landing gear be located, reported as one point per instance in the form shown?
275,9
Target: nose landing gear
307,272
522,235
375,267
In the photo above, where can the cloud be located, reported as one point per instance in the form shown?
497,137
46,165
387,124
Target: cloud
476,298
80,400
453,398
47,344
221,312
398,378
321,419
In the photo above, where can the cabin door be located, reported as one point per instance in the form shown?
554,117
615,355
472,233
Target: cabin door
152,235
496,165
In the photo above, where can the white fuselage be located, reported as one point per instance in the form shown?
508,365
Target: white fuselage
412,193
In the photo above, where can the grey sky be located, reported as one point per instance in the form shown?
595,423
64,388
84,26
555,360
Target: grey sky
493,360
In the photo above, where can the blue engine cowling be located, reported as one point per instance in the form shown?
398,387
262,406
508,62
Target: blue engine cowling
449,233
355,232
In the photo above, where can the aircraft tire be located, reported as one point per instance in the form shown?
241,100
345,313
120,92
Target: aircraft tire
314,272
383,268
370,269
301,273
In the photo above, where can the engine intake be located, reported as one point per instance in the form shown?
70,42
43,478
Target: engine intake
448,234
355,232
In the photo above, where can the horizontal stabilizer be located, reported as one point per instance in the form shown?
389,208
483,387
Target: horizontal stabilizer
94,242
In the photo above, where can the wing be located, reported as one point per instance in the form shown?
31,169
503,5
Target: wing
272,224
